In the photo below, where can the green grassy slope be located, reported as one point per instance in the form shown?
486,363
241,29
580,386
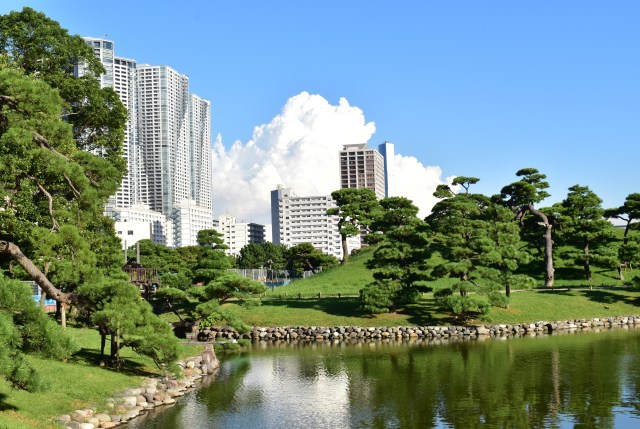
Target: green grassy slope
79,383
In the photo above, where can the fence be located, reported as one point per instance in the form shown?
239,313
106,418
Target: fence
272,278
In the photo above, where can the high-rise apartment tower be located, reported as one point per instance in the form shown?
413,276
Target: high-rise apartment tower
362,167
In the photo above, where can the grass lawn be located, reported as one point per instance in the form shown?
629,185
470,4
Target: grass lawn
72,385
525,306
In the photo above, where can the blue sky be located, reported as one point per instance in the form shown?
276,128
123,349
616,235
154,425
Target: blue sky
478,88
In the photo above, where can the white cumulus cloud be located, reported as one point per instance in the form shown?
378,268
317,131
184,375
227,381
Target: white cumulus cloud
299,149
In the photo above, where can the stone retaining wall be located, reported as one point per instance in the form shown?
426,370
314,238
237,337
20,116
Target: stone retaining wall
154,392
313,333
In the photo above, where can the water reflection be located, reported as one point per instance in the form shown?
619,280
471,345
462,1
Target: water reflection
559,381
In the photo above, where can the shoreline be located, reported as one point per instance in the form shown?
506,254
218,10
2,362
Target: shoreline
155,393
342,333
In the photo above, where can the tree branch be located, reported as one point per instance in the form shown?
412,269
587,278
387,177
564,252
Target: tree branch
54,223
34,272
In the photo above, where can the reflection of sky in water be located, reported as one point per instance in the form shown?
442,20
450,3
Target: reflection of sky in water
275,386
579,382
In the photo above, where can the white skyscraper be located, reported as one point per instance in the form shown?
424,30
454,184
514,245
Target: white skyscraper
120,74
167,144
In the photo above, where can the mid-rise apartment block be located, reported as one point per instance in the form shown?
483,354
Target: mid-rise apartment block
187,219
297,220
236,234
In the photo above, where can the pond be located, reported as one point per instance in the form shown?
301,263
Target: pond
579,380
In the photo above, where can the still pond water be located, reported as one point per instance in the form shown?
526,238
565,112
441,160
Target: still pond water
584,380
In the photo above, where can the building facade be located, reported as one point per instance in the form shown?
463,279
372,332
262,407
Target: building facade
120,74
387,150
362,167
167,144
187,219
138,222
236,235
297,220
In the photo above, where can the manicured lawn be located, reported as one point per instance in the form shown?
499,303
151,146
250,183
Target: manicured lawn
525,306
72,385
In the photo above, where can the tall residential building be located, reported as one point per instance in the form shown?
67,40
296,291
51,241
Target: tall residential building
120,74
297,220
387,151
167,145
236,235
163,132
362,167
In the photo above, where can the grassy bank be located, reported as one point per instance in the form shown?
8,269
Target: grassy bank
525,306
79,383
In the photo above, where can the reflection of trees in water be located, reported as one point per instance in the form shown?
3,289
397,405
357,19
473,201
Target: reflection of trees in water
517,383
222,396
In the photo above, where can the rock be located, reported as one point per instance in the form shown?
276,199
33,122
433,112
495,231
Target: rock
78,416
86,426
129,401
168,401
130,414
73,425
107,425
95,422
102,417
65,418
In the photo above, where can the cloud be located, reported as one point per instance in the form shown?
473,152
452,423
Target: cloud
299,149
417,182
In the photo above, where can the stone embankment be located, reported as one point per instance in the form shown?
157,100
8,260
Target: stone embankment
348,333
154,392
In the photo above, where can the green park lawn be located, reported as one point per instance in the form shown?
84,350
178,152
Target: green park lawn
79,383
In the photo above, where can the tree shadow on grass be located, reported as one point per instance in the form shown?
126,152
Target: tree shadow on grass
605,297
128,367
422,314
4,405
569,273
346,307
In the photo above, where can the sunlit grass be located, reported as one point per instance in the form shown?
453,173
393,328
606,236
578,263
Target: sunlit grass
79,383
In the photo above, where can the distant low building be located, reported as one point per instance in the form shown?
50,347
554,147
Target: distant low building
236,234
139,222
188,219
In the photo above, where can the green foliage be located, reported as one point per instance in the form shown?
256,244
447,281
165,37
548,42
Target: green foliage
399,261
231,285
380,296
175,280
24,327
116,308
161,258
356,209
478,242
211,238
219,316
584,228
304,257
268,255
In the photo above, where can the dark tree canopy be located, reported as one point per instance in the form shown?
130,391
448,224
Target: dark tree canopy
356,209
